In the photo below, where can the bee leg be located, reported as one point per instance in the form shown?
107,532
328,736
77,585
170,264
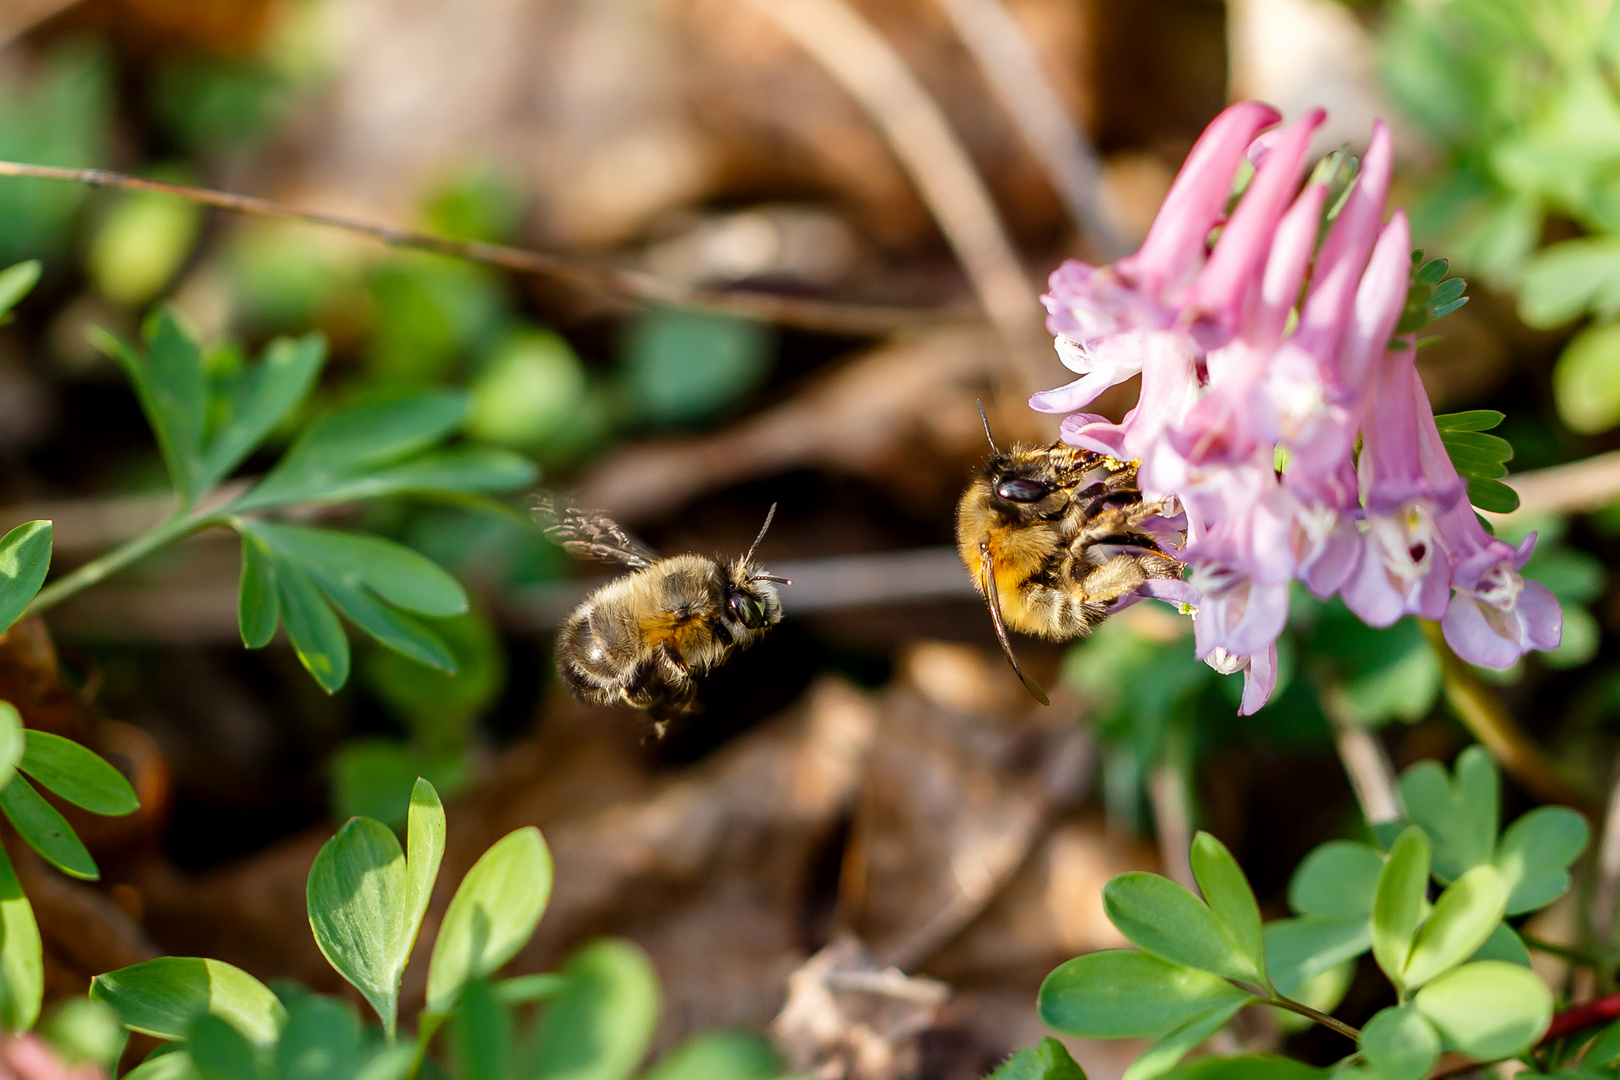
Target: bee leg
1119,576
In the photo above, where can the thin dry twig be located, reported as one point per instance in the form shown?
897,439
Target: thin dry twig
1606,889
867,67
1372,777
1578,487
1014,73
859,319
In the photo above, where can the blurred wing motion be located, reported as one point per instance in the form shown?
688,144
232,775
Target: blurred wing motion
994,599
590,534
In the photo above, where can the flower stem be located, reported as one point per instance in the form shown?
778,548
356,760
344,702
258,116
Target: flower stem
1280,1002
1488,720
1574,956
97,570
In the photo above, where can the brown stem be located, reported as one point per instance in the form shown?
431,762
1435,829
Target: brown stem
862,319
1487,719
1309,1013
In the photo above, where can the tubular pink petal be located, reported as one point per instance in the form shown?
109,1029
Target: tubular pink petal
1247,237
1344,252
1379,301
1285,269
1175,243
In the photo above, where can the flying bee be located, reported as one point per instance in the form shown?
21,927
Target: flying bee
644,639
1054,537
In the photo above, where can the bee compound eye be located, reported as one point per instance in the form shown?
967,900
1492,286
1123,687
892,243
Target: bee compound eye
1022,490
748,610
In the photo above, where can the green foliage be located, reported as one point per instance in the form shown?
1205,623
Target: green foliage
1049,1060
22,960
1460,973
165,996
209,420
43,828
493,913
71,772
1518,100
366,900
684,366
140,243
1430,295
1480,459
61,116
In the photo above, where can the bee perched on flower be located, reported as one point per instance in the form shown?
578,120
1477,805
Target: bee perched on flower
1280,407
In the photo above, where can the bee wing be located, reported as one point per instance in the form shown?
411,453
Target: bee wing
589,534
994,598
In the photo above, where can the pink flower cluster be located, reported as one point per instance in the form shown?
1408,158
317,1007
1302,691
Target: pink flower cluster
1262,358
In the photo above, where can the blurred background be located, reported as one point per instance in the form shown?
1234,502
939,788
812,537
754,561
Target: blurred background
872,769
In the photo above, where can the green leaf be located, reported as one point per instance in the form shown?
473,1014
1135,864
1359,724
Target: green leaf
743,1055
366,899
492,915
1299,950
12,741
1338,878
1400,1043
481,1030
1492,496
84,1030
313,628
219,1052
392,628
1168,1049
1475,453
600,1026
343,445
172,391
1461,818
22,960
1605,1049
16,282
321,1040
1586,380
1463,919
1230,899
469,470
1567,279
1488,1010
77,774
25,557
391,570
424,836
1471,420
262,399
1398,903
162,997
1534,855
356,895
167,1062
1505,945
45,830
1159,916
390,1063
258,605
1123,994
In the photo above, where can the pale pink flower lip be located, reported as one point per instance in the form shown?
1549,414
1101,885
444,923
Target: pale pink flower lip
1264,360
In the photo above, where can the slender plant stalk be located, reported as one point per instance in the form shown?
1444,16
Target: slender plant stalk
1563,952
862,319
1488,720
118,558
1279,1002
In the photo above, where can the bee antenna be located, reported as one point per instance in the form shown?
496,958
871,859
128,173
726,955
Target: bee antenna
994,449
771,577
769,514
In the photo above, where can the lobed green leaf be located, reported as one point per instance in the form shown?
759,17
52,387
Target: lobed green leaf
1488,1010
743,1055
1463,919
356,896
1398,903
1123,994
260,401
1230,899
1461,818
493,913
1400,1043
602,1024
1535,853
1337,879
1160,917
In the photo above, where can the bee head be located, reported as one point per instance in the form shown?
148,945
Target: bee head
751,599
